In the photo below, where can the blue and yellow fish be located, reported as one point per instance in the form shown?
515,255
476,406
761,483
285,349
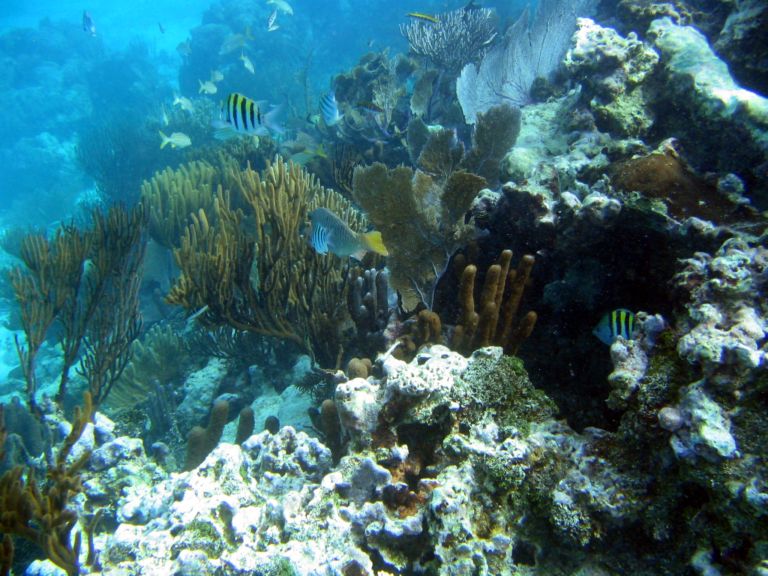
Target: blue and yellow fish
619,322
329,233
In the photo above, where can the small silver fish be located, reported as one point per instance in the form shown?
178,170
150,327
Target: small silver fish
271,26
176,140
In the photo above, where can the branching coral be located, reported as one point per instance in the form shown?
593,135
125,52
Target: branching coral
118,154
254,271
172,196
456,39
421,222
41,513
88,283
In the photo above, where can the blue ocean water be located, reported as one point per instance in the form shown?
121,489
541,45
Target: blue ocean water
66,77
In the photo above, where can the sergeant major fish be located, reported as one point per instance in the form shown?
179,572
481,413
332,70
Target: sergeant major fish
240,114
330,109
619,322
329,233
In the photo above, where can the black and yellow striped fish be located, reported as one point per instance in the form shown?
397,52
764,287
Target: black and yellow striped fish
242,114
619,322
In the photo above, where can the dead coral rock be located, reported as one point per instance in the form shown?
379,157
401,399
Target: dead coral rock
663,176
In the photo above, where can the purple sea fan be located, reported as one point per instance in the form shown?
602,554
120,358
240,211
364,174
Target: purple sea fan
529,50
455,39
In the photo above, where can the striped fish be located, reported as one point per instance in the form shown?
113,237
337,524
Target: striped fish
242,115
330,109
619,322
329,233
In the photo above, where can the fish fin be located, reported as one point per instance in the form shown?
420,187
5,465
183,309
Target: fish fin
269,120
359,255
165,141
375,243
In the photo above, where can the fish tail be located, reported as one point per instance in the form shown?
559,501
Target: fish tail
270,120
375,243
165,141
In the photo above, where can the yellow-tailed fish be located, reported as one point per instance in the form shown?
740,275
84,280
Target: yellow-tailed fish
176,140
422,16
329,233
247,63
207,87
184,103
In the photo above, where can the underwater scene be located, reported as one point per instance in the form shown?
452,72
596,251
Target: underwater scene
378,288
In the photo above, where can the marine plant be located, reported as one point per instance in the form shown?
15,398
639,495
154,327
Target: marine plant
253,270
527,51
497,322
415,217
158,357
172,196
454,39
118,153
40,511
87,283
421,219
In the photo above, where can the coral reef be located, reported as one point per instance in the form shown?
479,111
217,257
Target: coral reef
713,111
88,282
508,70
405,206
612,71
268,280
44,513
497,322
454,40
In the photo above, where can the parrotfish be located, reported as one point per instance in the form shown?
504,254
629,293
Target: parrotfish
619,322
329,233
